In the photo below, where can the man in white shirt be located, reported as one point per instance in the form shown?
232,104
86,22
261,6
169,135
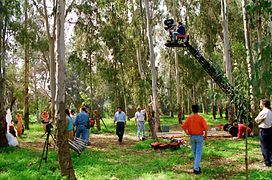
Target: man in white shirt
264,119
139,122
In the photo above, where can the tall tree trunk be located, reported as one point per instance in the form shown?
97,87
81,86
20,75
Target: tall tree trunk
226,53
26,107
65,161
153,68
253,102
3,124
177,71
170,91
52,64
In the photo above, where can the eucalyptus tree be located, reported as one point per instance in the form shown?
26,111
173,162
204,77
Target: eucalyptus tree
9,16
62,142
26,65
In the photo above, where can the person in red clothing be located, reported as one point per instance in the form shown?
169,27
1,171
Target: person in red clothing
196,126
242,130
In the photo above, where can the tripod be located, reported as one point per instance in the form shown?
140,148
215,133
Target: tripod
45,147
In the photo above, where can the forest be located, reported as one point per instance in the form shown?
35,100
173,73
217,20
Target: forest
105,54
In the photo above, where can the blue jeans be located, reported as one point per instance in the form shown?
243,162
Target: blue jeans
175,35
197,144
140,126
83,132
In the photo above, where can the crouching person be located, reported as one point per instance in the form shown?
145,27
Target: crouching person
194,126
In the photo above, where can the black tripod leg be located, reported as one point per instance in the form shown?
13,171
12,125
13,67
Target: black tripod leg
44,147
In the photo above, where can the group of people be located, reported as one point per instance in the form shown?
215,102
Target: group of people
12,133
120,123
196,127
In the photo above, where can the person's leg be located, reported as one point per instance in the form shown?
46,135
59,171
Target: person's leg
193,144
198,153
138,129
264,138
85,134
174,36
143,128
122,129
78,132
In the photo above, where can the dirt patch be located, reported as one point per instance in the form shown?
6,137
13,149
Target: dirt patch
106,141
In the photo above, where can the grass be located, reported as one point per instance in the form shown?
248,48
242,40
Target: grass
222,158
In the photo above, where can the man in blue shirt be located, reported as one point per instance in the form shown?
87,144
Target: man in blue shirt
120,120
82,125
180,31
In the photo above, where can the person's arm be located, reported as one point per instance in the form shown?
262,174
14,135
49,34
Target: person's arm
184,126
136,119
114,120
205,134
205,126
125,120
261,117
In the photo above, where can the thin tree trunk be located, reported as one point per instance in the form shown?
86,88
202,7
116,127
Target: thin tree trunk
52,64
260,48
26,107
226,53
65,161
220,109
170,91
153,68
177,71
3,124
249,63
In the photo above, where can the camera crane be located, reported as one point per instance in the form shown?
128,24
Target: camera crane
216,74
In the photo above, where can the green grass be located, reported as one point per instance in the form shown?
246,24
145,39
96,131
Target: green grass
222,158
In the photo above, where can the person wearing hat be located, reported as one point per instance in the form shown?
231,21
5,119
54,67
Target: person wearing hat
139,122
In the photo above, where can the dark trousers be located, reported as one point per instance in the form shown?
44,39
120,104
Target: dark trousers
266,145
120,128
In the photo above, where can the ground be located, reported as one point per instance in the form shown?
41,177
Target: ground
223,158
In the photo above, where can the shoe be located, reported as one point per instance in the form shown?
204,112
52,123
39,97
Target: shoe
197,172
199,169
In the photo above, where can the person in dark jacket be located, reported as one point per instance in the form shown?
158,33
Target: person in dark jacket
180,31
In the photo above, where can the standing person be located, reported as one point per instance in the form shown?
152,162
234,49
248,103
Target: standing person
194,126
72,115
120,120
45,121
82,123
69,124
264,119
139,122
19,124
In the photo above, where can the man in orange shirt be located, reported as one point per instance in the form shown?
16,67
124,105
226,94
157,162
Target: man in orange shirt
194,126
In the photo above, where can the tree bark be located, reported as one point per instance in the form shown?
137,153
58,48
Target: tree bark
65,161
26,80
226,53
52,64
177,71
3,124
252,92
153,68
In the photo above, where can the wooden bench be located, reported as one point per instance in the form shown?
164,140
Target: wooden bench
78,145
